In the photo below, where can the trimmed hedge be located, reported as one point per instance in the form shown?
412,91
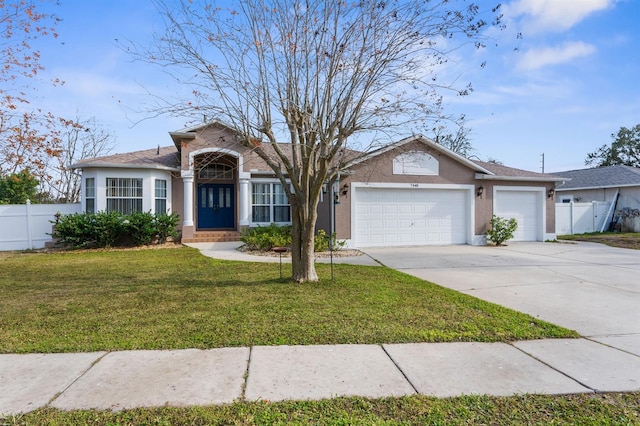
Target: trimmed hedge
112,229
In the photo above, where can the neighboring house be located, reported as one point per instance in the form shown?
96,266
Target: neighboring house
601,184
412,192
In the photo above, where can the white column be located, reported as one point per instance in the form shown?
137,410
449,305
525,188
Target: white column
188,200
245,201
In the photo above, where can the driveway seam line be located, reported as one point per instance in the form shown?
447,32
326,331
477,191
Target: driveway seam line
415,389
611,347
81,375
245,376
554,368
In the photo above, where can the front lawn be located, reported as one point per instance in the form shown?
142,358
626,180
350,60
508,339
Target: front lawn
176,298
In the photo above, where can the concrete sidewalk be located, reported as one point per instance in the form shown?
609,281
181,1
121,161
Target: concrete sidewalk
128,379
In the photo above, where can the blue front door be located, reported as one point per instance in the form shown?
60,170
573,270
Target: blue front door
216,207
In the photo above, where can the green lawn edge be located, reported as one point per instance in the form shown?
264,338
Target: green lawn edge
582,409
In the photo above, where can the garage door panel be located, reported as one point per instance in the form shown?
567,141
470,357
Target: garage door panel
390,209
405,223
410,216
524,206
419,209
403,197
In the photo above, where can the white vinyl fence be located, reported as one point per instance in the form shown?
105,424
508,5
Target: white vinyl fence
578,218
27,226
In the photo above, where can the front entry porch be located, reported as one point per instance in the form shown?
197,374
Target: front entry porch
215,196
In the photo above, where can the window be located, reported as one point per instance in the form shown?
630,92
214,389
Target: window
124,195
90,195
281,208
269,204
216,171
161,196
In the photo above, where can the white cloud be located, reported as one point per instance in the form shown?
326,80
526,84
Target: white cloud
539,58
556,15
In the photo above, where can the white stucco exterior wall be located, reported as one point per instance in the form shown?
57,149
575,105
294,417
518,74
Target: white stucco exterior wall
148,177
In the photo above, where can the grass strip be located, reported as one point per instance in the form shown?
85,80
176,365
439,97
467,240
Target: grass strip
629,240
582,409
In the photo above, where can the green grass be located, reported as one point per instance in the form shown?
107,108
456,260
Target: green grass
177,298
583,409
629,240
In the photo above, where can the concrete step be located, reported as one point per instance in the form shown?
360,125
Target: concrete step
212,237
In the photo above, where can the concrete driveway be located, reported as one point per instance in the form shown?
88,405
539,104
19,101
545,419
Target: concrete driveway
591,288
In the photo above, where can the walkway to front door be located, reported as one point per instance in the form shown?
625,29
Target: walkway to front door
216,206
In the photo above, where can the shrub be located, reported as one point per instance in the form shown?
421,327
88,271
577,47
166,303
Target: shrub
74,230
166,226
265,238
324,241
107,229
501,230
141,228
102,229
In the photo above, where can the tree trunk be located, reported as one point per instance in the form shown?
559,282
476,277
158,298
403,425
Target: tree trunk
303,224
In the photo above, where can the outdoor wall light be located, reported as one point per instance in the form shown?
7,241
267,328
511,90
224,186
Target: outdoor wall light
480,191
344,189
551,193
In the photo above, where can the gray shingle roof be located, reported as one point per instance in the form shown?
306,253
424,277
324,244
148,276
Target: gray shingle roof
500,170
157,158
168,158
600,177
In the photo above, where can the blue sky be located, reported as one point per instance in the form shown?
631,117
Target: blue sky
574,79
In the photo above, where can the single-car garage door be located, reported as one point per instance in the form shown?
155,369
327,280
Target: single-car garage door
525,207
410,216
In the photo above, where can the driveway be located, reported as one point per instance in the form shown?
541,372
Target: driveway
591,288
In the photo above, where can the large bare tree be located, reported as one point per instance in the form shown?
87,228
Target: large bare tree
318,76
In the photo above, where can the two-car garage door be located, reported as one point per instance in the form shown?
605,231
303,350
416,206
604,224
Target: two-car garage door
411,216
438,216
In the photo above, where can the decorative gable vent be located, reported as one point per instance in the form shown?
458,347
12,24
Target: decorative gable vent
415,163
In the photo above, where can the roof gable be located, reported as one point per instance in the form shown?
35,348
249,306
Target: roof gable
483,169
426,141
190,132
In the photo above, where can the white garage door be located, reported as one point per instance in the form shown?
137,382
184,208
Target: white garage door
524,206
396,217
